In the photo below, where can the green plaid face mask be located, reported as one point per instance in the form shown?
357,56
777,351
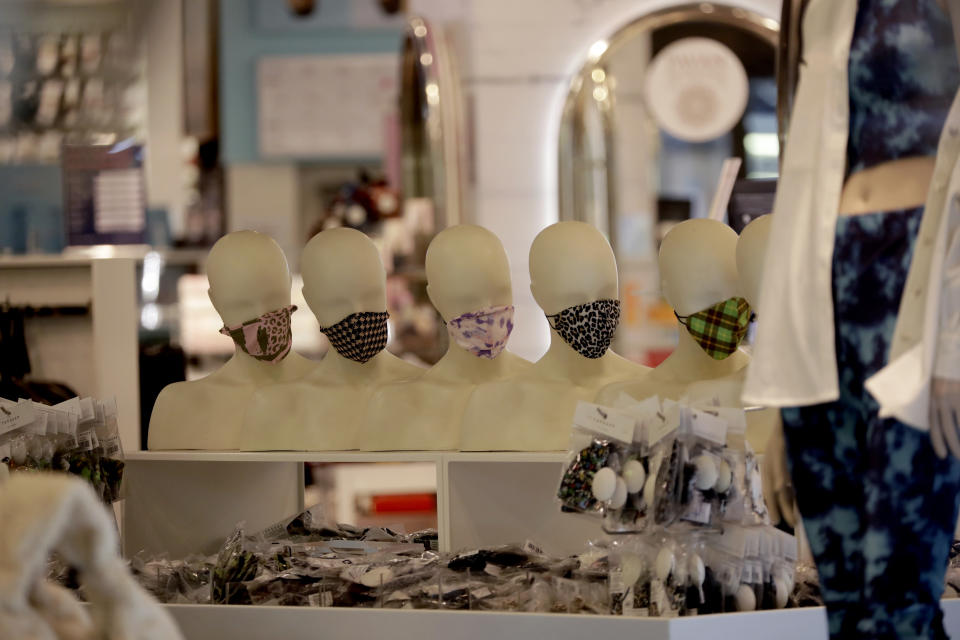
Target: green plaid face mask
719,329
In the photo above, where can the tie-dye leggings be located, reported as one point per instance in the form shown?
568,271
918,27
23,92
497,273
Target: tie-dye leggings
878,506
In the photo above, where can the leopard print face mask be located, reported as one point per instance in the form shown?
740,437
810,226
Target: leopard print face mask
588,328
267,338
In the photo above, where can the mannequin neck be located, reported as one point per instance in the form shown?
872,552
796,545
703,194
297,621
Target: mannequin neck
350,372
460,366
563,362
245,369
689,363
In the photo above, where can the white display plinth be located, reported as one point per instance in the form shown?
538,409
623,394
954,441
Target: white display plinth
181,502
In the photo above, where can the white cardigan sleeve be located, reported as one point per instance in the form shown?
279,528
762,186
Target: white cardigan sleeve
947,363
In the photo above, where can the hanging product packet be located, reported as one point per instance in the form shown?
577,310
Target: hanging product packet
726,563
707,474
628,512
663,489
600,443
631,565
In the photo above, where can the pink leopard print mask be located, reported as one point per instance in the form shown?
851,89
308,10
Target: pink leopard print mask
267,338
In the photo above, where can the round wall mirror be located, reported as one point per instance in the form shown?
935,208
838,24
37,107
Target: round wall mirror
654,112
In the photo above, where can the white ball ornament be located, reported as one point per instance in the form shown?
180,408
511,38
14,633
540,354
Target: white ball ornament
619,497
634,475
697,570
706,474
724,477
650,490
746,599
664,564
604,484
783,592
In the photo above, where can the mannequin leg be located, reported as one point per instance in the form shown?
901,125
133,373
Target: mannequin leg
881,548
827,466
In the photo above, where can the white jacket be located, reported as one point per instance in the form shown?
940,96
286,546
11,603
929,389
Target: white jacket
927,338
795,361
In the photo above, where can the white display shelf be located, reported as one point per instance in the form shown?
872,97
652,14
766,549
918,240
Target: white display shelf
208,622
483,498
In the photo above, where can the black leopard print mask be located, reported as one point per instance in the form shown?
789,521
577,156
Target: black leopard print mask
588,328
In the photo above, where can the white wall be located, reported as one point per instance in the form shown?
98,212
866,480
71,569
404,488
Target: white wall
519,57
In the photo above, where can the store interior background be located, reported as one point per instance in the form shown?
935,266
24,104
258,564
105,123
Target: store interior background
193,103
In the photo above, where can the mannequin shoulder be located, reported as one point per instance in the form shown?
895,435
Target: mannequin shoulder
516,364
401,370
300,367
195,415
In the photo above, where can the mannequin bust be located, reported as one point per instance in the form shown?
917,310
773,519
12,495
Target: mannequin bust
467,270
571,264
751,252
342,275
249,277
698,268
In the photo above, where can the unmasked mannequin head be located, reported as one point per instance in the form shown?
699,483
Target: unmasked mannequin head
248,276
751,252
698,265
571,263
467,270
342,274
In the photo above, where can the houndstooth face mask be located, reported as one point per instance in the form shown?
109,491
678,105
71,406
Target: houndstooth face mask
359,336
719,329
588,328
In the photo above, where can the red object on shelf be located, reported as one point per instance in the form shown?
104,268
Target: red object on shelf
404,503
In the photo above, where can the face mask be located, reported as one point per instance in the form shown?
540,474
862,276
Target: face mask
267,338
483,333
588,328
719,329
359,336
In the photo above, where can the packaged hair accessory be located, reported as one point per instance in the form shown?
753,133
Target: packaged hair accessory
601,440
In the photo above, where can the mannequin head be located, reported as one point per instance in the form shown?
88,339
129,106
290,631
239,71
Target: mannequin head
342,274
248,276
751,252
467,270
698,265
571,263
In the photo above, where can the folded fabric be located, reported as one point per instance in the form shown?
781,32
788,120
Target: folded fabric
45,513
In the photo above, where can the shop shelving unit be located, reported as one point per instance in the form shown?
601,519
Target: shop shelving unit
482,498
302,623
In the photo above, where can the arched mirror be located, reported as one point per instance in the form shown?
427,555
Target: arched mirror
649,120
431,124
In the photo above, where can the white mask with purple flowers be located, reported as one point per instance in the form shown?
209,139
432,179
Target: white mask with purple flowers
483,333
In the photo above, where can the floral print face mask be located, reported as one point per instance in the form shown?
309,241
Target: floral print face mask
267,338
483,333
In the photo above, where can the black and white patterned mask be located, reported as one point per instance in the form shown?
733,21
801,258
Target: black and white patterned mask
359,336
588,328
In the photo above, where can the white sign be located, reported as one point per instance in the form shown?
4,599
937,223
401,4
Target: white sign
325,105
697,89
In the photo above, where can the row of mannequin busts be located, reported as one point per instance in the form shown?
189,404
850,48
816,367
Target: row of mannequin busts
479,396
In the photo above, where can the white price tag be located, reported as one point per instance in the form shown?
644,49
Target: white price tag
706,426
16,416
605,421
